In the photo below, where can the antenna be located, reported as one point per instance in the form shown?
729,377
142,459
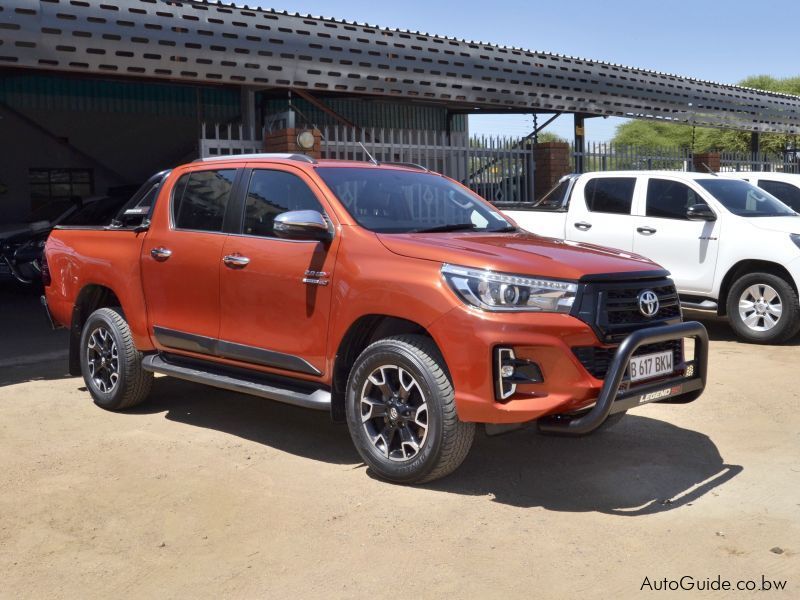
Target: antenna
371,158
710,170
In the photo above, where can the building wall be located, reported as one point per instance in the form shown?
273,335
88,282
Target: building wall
122,131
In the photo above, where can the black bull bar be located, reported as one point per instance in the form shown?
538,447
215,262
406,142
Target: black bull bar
613,399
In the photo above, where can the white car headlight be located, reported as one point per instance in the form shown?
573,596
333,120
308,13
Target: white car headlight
500,292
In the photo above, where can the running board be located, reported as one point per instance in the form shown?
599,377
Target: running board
705,305
318,399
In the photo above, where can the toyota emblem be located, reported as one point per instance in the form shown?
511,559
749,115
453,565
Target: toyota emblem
648,303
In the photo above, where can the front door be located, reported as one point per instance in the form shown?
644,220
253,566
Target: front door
600,212
687,249
181,257
275,293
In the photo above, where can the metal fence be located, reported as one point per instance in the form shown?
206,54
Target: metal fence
788,162
497,168
500,169
607,156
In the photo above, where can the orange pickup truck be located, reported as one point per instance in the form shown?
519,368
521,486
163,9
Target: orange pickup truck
391,296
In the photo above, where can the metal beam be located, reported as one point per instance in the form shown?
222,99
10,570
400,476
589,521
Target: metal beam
755,150
580,142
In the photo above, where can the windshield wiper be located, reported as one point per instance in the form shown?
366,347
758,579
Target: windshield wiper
448,227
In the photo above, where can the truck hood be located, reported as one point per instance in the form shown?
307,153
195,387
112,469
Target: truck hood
522,253
782,224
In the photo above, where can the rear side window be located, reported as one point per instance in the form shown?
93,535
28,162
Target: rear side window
271,193
201,198
610,195
785,192
669,199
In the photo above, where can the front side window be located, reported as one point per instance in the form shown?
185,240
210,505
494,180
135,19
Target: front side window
744,199
785,192
271,193
399,201
201,198
610,195
670,199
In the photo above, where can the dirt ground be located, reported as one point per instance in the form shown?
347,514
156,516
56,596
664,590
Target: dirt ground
209,494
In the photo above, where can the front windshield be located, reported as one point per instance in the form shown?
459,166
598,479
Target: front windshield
744,199
395,201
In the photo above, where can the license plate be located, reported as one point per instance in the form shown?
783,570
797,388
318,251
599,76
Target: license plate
649,366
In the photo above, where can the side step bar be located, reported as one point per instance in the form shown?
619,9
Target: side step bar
704,306
318,399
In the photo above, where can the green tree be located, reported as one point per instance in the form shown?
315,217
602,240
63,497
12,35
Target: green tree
651,134
549,136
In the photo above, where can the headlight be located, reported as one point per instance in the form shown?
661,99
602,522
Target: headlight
795,238
499,292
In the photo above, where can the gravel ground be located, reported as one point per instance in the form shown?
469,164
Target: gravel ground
206,494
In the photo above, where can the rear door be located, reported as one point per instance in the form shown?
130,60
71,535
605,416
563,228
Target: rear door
600,211
181,259
275,293
688,249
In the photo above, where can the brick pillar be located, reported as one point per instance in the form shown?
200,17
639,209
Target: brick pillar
711,159
285,140
552,163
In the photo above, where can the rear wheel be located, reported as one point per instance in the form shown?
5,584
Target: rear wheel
110,363
401,411
763,309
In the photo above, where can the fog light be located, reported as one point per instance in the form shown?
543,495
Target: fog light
510,371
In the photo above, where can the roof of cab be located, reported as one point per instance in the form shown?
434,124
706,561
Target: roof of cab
304,158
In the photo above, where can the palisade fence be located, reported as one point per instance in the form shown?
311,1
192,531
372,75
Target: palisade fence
608,156
498,168
501,169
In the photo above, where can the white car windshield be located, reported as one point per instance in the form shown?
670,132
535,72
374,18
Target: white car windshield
744,199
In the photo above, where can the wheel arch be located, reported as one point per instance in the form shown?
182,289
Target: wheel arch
750,266
362,332
91,297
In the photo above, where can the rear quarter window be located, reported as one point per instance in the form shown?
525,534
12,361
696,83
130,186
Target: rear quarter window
612,195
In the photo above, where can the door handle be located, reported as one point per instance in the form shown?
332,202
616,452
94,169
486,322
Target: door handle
583,225
236,261
646,230
160,254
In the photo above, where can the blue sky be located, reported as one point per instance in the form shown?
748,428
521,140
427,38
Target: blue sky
723,41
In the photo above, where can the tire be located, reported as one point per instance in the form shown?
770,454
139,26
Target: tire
414,375
754,320
110,363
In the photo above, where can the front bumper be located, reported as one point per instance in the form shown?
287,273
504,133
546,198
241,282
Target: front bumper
615,398
467,340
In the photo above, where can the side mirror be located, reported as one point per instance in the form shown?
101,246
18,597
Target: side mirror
700,212
302,225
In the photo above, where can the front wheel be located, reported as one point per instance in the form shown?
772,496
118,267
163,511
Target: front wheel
401,411
763,309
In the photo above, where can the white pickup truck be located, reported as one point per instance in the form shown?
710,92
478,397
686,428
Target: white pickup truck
732,248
